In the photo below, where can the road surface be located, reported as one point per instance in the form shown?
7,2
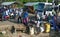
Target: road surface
5,24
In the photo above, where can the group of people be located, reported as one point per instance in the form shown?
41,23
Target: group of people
23,16
7,13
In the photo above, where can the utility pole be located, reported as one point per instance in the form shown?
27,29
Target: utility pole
53,5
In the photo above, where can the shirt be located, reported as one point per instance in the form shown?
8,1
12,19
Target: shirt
7,12
10,10
19,13
37,23
43,16
25,15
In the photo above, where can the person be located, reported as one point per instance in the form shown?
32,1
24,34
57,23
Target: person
53,22
38,26
0,16
42,27
1,13
46,18
37,22
25,17
38,17
19,16
7,14
14,13
43,17
58,22
12,29
49,17
25,20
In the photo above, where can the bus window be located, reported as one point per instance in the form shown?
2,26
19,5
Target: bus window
48,8
41,6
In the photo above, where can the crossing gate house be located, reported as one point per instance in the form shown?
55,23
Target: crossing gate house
31,6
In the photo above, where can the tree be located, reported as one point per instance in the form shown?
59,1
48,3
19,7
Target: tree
50,0
56,2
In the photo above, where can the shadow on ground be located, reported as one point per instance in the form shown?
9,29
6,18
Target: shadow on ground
13,21
54,34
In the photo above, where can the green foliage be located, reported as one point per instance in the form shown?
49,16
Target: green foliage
30,0
50,1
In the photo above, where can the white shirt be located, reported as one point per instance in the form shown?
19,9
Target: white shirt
7,12
43,16
19,13
10,10
21,10
37,23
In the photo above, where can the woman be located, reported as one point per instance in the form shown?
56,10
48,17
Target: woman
25,20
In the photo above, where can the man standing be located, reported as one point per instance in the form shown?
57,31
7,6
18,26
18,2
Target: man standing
19,15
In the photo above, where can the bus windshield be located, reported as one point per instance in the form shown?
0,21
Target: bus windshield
48,7
41,6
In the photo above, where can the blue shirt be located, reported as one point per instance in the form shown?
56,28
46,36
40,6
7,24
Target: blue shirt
25,15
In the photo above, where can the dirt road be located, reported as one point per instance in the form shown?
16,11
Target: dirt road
5,24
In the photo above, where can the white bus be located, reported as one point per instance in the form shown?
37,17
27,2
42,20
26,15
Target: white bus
45,8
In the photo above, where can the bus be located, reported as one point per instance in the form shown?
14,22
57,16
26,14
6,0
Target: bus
45,8
31,6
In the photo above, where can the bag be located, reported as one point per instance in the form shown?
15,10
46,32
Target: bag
47,27
42,29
